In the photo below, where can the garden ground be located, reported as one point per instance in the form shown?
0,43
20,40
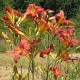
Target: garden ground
6,65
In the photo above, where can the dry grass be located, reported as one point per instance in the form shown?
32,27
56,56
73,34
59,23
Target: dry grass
6,64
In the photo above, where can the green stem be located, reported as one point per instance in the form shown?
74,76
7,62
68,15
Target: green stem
21,71
29,69
47,78
55,78
13,77
32,66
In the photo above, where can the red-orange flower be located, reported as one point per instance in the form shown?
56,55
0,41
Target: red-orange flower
15,12
73,42
64,55
16,57
64,34
32,42
62,18
58,31
21,49
43,25
56,71
67,22
60,14
31,10
70,31
10,16
34,10
47,50
5,18
17,30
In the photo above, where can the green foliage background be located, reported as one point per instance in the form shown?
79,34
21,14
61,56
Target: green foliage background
70,7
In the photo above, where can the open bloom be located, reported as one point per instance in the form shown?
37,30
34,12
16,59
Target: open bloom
70,31
70,42
60,14
21,49
56,71
62,18
64,34
34,10
73,42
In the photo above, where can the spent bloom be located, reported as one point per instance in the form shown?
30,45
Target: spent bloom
64,55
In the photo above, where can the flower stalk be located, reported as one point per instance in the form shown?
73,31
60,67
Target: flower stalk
32,66
47,78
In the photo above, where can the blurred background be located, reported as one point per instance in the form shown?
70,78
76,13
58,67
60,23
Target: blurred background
71,9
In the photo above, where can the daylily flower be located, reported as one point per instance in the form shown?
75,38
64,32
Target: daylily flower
56,71
58,31
70,31
16,57
10,16
15,12
5,18
62,19
21,49
73,42
47,50
34,10
60,14
64,34
34,41
64,55
66,43
67,22
40,10
43,25
17,30
51,28
70,42
31,10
